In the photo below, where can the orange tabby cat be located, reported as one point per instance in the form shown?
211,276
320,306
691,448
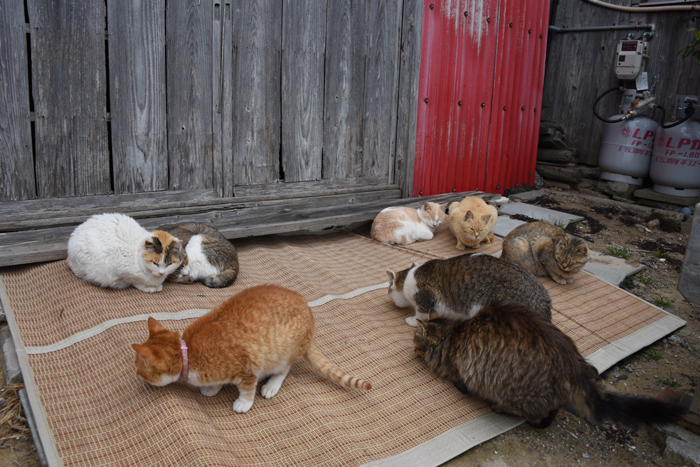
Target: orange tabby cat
259,332
472,222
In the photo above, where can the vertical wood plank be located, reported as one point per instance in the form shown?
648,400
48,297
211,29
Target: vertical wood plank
380,88
16,159
189,93
69,89
137,95
346,45
409,73
222,97
303,54
257,39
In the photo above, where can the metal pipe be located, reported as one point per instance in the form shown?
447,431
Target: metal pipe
651,27
647,9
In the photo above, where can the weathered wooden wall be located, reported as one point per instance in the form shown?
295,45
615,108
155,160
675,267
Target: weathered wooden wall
241,97
580,66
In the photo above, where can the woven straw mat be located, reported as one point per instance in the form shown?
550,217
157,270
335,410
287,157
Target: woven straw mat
74,344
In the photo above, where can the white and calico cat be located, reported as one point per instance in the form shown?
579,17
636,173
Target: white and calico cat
403,226
114,251
211,258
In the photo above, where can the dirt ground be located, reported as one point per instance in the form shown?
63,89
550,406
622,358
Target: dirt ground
671,362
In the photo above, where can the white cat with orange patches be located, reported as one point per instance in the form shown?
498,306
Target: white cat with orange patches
403,226
114,251
258,333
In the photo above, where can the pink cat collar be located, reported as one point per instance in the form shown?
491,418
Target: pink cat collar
185,360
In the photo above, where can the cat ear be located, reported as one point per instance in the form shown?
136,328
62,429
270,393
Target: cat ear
443,207
415,264
144,352
154,327
421,325
391,274
468,216
486,218
152,243
426,207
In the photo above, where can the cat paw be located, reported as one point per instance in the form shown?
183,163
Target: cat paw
461,246
242,406
210,391
149,289
559,280
412,321
269,390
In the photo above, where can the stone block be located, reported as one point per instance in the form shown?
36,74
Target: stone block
13,373
690,274
682,452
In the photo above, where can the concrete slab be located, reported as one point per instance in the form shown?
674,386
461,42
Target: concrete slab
681,452
611,269
13,374
528,195
682,446
536,212
690,274
504,224
649,193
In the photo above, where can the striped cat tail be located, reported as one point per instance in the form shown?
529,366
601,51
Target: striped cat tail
224,279
326,368
624,409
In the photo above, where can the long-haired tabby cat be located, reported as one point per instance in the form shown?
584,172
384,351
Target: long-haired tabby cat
461,286
524,365
472,222
114,251
259,332
211,258
546,250
404,225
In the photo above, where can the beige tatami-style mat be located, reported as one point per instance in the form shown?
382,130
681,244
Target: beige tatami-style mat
73,340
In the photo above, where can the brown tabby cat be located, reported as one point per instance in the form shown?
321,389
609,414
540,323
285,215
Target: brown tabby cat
524,365
259,332
461,286
546,250
472,222
210,257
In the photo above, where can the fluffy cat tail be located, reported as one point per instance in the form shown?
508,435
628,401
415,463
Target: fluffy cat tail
223,279
326,368
628,410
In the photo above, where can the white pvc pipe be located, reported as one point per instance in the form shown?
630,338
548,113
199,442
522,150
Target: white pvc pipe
649,9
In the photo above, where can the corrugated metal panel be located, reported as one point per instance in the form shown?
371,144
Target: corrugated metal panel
481,80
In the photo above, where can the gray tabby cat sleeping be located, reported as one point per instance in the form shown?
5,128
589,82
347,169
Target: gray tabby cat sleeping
209,256
546,250
461,286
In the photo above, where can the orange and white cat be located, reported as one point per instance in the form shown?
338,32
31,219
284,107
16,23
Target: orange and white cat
259,332
472,222
403,225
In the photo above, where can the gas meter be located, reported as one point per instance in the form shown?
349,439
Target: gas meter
631,55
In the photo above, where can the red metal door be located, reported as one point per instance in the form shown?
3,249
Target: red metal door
481,80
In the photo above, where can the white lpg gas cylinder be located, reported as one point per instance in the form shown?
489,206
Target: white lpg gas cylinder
675,164
625,152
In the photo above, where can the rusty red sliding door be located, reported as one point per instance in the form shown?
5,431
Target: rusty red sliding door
481,79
